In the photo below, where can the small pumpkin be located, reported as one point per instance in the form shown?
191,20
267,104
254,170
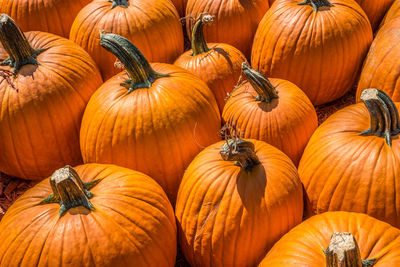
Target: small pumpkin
236,199
272,110
153,26
351,161
51,16
334,239
235,21
392,13
90,215
375,10
45,84
321,51
380,69
219,65
151,118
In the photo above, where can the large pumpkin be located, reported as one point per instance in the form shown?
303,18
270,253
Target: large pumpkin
315,242
153,119
317,45
112,217
42,104
351,162
52,16
235,20
236,199
381,68
216,64
375,10
153,26
275,111
393,12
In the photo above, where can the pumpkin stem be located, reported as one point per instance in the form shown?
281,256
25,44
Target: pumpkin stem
199,44
69,190
265,90
383,114
343,251
115,3
16,45
139,70
316,4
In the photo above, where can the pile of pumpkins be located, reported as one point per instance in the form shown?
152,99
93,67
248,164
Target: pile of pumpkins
216,149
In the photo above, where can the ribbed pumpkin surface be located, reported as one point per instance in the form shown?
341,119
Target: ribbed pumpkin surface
375,10
153,26
230,217
40,121
321,52
132,225
304,244
393,12
180,6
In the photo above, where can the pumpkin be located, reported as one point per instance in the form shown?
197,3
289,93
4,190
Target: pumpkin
180,6
375,10
351,161
151,118
219,65
90,215
320,51
52,16
235,20
334,239
380,69
45,84
236,199
275,111
392,13
153,26
271,2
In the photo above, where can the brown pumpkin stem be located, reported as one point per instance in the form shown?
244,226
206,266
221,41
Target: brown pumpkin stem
199,44
383,114
139,70
69,190
343,251
115,3
16,45
265,90
316,4
240,151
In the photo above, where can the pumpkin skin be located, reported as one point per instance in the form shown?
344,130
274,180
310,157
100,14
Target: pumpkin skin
153,26
39,125
52,16
293,41
393,12
375,10
380,68
271,2
227,216
343,170
132,224
180,6
235,21
286,122
219,66
304,244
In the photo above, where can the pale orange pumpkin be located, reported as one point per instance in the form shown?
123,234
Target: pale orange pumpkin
393,12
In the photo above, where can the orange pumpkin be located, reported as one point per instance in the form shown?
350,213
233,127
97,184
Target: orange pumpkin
393,12
153,119
351,161
378,242
180,6
271,2
43,103
218,66
375,10
52,16
275,111
320,51
153,26
236,199
380,68
112,217
235,21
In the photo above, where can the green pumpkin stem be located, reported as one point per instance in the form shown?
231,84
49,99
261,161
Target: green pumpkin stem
316,4
343,251
265,90
115,3
199,44
16,45
69,190
383,114
139,70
